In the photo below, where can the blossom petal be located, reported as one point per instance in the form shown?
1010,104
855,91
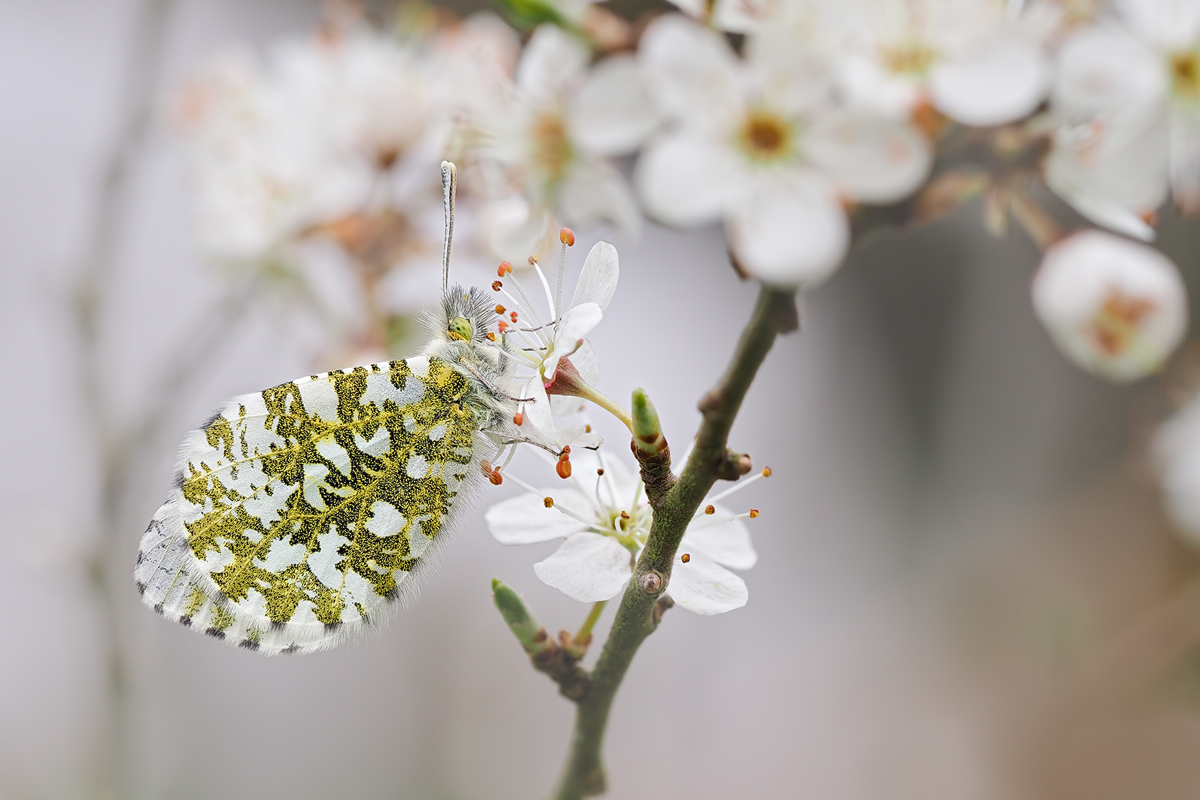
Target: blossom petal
537,412
727,543
574,325
874,159
703,586
598,279
691,72
612,113
587,567
553,59
1185,162
683,179
1002,84
789,234
1167,24
1113,171
595,192
1104,69
525,519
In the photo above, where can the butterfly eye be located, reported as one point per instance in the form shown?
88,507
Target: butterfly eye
460,328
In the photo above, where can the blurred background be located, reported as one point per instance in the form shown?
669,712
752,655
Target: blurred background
966,589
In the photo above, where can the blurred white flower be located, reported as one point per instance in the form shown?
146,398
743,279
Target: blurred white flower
1115,307
259,158
605,520
1176,449
554,133
1135,79
977,61
756,143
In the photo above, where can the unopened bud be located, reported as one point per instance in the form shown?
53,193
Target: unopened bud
567,237
520,619
647,430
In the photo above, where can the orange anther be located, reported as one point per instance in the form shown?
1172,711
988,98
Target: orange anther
518,418
686,557
624,515
496,478
533,260
563,468
766,470
513,316
496,286
548,502
710,510
500,309
600,470
491,336
567,237
754,513
503,326
505,268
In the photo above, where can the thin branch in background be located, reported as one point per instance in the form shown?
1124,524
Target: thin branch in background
91,301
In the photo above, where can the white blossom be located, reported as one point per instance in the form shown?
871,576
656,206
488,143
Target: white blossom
604,520
756,143
552,137
1128,91
1115,307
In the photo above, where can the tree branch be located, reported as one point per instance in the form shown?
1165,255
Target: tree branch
642,605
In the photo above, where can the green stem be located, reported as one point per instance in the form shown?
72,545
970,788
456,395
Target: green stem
585,630
584,774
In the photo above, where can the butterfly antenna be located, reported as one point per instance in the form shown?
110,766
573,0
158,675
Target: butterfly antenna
449,185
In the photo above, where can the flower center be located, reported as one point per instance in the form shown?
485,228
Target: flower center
1116,323
910,58
1185,74
766,136
552,147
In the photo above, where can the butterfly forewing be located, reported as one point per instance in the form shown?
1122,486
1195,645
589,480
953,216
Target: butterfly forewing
300,511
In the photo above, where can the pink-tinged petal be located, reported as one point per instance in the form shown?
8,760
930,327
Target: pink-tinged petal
612,114
871,158
789,234
703,586
1104,70
691,72
553,60
1003,84
727,543
683,179
525,519
587,567
598,280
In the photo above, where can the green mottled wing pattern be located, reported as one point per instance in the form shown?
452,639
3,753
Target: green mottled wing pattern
300,512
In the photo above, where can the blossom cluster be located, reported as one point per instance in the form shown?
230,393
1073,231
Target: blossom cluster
795,125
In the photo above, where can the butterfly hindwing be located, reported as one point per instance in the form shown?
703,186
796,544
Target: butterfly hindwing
300,512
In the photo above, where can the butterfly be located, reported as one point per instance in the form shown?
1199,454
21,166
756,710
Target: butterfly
300,515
